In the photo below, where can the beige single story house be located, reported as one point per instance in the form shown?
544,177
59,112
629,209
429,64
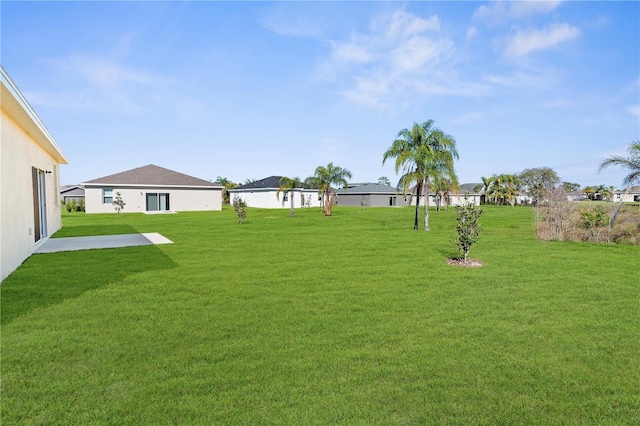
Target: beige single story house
30,162
262,194
151,189
627,196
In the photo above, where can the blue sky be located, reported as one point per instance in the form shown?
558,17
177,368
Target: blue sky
254,89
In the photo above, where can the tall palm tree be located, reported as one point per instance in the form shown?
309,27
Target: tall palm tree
632,162
422,153
324,178
288,185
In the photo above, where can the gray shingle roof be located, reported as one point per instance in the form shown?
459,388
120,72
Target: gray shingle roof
368,188
151,175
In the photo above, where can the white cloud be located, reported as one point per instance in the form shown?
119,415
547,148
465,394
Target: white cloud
98,83
525,42
500,11
379,66
416,53
351,53
291,27
634,110
472,32
520,9
104,72
401,24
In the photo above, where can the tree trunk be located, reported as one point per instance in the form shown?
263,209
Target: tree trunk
416,219
426,205
292,214
328,205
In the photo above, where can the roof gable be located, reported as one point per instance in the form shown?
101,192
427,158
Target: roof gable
151,175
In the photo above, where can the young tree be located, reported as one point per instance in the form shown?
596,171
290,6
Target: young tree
239,206
118,203
288,186
468,228
324,178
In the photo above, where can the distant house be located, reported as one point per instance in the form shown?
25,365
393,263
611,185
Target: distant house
576,196
455,199
72,193
630,196
152,189
30,161
370,195
262,194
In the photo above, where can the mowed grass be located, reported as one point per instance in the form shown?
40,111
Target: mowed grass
354,319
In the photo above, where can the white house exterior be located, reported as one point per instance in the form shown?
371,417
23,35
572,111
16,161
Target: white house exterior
262,194
628,196
30,162
151,189
466,190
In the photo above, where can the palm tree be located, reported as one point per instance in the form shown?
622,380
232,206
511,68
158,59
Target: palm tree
324,178
223,181
422,153
504,188
632,162
484,188
443,187
288,185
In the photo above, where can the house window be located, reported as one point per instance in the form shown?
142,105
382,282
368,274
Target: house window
157,202
107,195
285,197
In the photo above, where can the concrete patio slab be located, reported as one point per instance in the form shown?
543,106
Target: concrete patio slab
53,245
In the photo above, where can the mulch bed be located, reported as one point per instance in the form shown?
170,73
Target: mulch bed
469,263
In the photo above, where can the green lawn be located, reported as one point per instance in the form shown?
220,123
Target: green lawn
354,319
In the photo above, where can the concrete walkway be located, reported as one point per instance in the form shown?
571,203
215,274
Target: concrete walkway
53,245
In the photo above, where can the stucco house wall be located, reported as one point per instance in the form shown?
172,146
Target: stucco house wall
630,196
135,197
267,199
184,192
262,194
371,194
26,148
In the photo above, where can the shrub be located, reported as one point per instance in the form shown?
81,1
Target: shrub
468,227
239,206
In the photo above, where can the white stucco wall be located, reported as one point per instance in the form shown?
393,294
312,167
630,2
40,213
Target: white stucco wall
18,154
180,198
267,199
454,200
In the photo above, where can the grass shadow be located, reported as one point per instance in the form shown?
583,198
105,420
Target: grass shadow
50,278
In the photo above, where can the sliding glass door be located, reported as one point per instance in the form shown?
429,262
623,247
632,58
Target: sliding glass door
157,202
39,204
